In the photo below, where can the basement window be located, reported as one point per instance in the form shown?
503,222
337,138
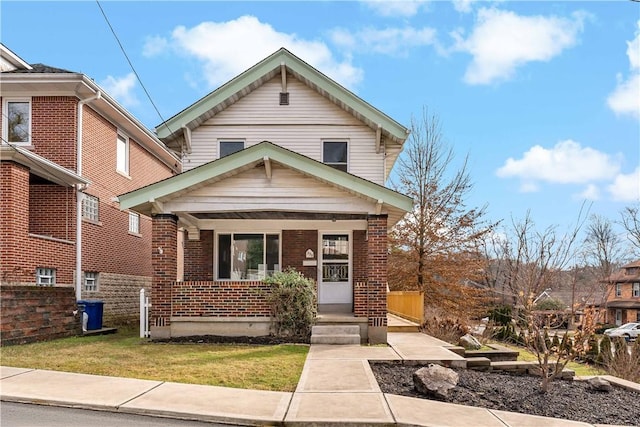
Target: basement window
45,276
91,281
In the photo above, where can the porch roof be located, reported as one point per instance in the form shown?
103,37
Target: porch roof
42,167
144,199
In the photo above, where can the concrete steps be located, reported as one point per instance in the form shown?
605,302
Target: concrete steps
335,334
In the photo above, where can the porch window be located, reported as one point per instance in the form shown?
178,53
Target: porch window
618,289
248,256
636,290
334,154
230,147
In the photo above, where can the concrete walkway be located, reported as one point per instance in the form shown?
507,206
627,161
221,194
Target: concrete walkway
337,387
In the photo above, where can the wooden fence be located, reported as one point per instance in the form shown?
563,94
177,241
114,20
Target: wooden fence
407,304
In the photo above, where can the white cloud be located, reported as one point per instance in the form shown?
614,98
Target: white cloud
626,188
228,48
591,192
122,89
566,163
154,45
502,41
389,41
463,6
404,8
625,99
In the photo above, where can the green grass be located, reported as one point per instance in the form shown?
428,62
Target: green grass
276,367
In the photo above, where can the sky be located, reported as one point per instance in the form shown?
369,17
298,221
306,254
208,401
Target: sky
543,97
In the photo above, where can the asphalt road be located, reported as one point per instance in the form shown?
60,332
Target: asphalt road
26,415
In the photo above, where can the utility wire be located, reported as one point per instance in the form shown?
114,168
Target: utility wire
132,67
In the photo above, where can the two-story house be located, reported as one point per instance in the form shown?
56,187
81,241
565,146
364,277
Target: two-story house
623,295
282,167
68,149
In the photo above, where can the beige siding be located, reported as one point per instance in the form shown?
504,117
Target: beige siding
287,190
300,126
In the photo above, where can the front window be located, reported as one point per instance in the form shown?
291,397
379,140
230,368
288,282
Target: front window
248,256
90,281
134,222
636,290
90,207
230,147
334,154
45,276
122,154
618,289
335,258
16,121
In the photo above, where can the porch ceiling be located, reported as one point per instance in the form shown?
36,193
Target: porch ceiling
279,215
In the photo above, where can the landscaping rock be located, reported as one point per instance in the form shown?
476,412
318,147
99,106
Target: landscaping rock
470,342
599,384
435,380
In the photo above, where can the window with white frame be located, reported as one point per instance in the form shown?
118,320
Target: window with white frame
90,207
248,256
334,154
122,154
134,222
618,289
230,147
16,121
90,281
45,276
636,290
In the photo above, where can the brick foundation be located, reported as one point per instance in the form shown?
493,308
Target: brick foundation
220,299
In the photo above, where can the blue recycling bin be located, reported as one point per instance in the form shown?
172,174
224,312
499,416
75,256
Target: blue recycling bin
94,309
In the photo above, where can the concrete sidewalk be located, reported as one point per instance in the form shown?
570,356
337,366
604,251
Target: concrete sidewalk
337,387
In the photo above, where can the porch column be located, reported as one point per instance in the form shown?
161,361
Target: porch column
377,278
164,253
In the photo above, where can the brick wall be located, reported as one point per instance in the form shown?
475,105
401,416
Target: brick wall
34,313
220,299
198,257
53,128
377,269
121,296
163,259
14,220
52,211
294,247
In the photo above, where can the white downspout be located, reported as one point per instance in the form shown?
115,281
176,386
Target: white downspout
79,195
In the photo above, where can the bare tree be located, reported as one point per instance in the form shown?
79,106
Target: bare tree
603,251
631,223
433,247
531,261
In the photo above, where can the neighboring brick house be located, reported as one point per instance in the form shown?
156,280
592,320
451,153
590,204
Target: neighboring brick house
69,148
283,167
623,296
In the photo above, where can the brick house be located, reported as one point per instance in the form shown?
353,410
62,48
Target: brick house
68,149
623,295
282,167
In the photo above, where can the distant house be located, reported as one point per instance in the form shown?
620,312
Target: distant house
283,167
623,296
68,149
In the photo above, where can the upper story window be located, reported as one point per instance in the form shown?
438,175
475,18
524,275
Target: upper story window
91,207
122,154
230,147
636,290
45,276
134,222
618,289
16,121
334,154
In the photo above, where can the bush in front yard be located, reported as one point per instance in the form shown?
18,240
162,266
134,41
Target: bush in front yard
293,303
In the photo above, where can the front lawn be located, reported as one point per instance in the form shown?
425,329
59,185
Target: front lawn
272,367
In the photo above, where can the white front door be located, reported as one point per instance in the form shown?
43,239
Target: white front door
335,270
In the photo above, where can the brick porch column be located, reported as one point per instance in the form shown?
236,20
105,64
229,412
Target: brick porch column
164,253
377,278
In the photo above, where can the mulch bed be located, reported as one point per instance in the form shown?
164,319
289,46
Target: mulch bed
571,400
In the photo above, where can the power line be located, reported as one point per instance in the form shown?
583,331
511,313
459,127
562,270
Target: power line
131,65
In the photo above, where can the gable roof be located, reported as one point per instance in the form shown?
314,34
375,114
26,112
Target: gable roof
262,72
142,199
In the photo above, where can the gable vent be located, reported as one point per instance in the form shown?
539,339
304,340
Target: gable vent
284,98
